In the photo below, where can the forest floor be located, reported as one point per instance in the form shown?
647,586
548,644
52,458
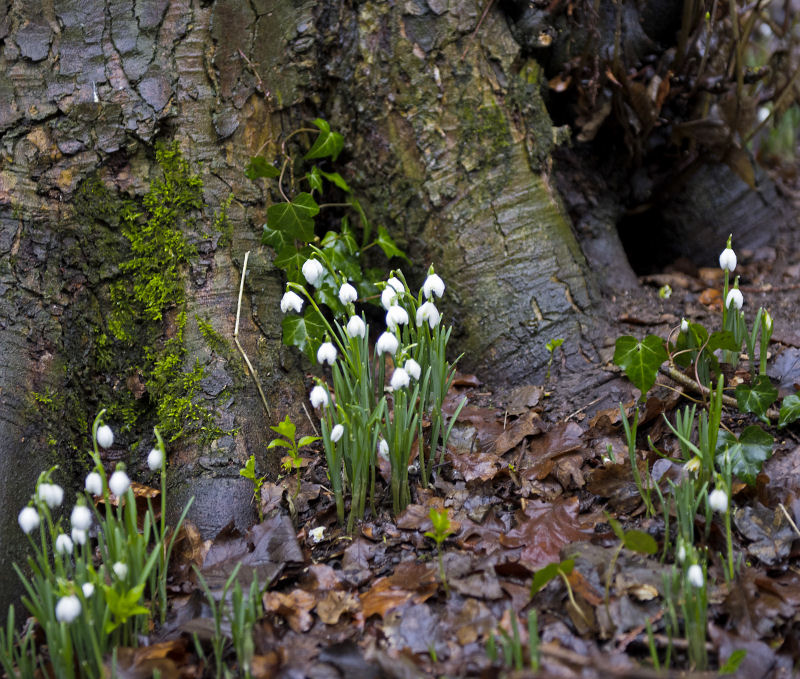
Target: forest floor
532,476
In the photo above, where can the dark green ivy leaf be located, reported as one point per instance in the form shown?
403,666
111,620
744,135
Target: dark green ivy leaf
327,143
748,452
640,360
314,179
757,397
388,246
305,332
295,219
259,167
337,179
277,240
790,410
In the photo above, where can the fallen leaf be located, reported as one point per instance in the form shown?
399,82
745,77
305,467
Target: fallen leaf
295,607
712,298
411,582
473,466
335,604
529,424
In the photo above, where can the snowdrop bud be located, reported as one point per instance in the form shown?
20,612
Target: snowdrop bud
336,433
396,315
767,321
291,300
428,312
413,368
318,396
312,271
694,574
387,343
727,260
317,534
433,285
397,284
326,353
51,494
347,294
79,536
63,544
735,299
684,325
120,570
388,297
88,589
383,449
68,608
154,459
680,554
356,327
94,483
81,517
763,111
399,379
718,500
28,520
119,483
105,437
693,465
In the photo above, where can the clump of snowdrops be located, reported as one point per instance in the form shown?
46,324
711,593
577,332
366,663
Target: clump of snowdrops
364,414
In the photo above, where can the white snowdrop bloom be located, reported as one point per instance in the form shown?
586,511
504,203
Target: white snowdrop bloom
413,368
397,284
154,459
51,494
88,589
105,437
694,465
291,300
326,353
727,260
347,294
356,327
119,483
318,396
684,325
718,500
433,285
763,111
94,483
81,517
694,574
735,298
396,315
68,608
63,544
120,570
399,379
317,534
79,536
28,520
387,344
383,449
428,312
388,297
312,271
337,432
680,553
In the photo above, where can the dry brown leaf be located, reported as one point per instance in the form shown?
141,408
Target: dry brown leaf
295,607
528,424
410,582
335,604
472,466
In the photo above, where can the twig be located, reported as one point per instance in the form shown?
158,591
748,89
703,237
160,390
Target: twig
253,372
789,518
477,28
260,85
313,426
582,408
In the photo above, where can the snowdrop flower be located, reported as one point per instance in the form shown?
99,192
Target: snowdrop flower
105,437
428,312
397,284
51,494
120,570
718,500
28,520
767,320
291,300
119,483
94,483
326,353
88,589
356,327
387,343
684,325
399,379
317,534
383,449
693,465
694,574
396,315
347,294
79,536
727,260
81,517
763,111
413,368
154,459
680,554
312,271
318,396
433,285
337,432
735,298
68,608
388,297
63,544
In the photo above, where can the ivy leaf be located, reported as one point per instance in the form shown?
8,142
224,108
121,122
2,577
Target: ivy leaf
366,227
290,257
790,410
388,246
327,143
337,179
756,397
296,218
635,540
550,571
314,179
748,452
304,332
277,240
640,360
259,167
722,339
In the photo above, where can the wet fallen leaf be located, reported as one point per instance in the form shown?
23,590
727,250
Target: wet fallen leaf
770,532
295,607
142,663
528,424
474,466
524,397
411,581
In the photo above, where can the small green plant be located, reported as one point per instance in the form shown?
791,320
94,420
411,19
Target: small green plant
287,431
512,643
218,638
249,472
440,519
551,347
635,540
246,610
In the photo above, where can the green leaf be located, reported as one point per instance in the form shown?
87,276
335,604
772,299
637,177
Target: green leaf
553,344
640,360
550,571
277,240
365,225
731,665
790,410
327,143
279,443
307,441
286,428
748,452
314,179
304,332
639,541
722,339
296,219
290,257
123,606
757,397
336,178
249,470
259,167
388,246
